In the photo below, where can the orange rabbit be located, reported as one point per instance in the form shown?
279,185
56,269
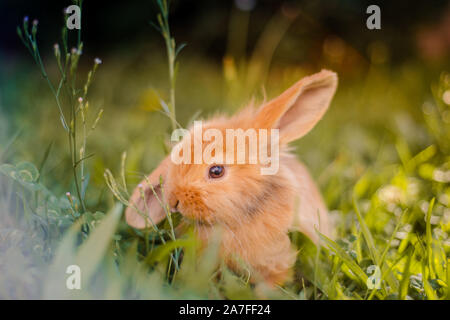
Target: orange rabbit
254,211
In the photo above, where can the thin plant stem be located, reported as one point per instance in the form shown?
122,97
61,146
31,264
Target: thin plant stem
68,81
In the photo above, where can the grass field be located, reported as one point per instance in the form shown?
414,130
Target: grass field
381,157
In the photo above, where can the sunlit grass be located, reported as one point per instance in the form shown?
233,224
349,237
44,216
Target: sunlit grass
380,156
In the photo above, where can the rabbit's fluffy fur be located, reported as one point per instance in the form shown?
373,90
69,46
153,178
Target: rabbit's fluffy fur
254,211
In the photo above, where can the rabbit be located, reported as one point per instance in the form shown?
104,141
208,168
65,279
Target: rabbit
255,212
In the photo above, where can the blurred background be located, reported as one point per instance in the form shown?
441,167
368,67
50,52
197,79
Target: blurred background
392,101
235,50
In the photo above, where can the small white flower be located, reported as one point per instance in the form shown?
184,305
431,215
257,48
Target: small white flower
446,97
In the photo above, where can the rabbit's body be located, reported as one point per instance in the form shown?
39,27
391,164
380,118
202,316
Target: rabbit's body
254,211
261,240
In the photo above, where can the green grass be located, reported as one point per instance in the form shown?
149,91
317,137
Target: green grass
380,156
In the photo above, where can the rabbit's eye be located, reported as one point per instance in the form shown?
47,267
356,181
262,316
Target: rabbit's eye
216,171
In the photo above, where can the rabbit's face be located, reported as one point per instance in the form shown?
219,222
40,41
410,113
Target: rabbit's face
215,191
233,191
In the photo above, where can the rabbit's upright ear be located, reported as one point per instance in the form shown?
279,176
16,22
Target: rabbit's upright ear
297,110
144,208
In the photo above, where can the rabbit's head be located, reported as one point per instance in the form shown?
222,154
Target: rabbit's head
213,176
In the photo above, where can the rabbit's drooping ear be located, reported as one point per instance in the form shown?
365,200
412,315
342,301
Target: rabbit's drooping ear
296,111
143,199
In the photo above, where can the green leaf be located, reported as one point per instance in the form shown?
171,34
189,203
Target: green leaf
163,251
27,171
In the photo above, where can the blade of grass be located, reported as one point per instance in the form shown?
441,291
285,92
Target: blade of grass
367,235
165,250
353,266
429,238
387,272
94,248
44,159
426,285
404,284
55,287
448,279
